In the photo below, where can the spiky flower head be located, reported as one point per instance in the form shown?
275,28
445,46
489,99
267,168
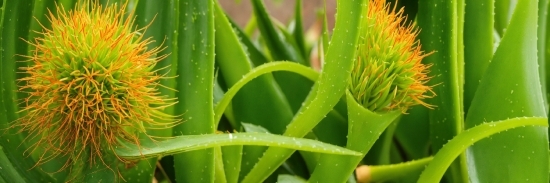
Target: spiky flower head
388,74
91,84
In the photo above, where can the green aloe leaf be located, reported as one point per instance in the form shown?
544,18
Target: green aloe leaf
219,169
298,30
232,157
107,171
67,4
279,50
187,143
15,24
478,44
401,171
158,18
546,53
327,91
541,47
259,102
510,88
285,178
7,170
443,159
503,13
255,55
295,88
441,31
195,70
258,71
412,132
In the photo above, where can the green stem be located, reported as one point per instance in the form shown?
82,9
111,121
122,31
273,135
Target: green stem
258,71
446,155
385,173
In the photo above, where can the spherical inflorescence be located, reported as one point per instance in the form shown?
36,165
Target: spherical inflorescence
388,74
91,84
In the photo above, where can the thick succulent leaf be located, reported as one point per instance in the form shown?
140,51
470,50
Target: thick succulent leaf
298,31
279,50
443,159
195,70
412,133
232,156
438,34
219,171
7,170
15,25
511,88
478,44
100,172
295,88
503,13
285,178
67,4
546,54
327,91
187,143
541,47
158,19
259,102
258,71
441,31
254,53
400,172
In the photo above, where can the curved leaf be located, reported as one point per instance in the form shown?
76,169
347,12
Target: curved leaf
446,155
258,71
260,101
511,88
326,92
188,143
394,172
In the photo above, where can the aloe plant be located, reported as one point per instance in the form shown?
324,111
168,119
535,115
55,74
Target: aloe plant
175,91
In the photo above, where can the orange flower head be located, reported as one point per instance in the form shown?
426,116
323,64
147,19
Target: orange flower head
91,84
388,73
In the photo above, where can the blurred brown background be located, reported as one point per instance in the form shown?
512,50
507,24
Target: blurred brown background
283,10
